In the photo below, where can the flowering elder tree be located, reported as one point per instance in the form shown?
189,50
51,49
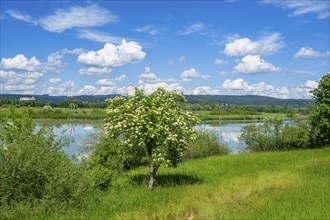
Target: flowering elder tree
155,124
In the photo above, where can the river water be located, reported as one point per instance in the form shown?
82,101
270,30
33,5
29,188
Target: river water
80,133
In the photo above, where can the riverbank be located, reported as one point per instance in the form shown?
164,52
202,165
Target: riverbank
100,114
269,185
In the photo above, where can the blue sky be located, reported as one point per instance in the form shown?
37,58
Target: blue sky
267,47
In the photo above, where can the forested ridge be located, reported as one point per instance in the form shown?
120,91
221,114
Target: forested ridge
193,99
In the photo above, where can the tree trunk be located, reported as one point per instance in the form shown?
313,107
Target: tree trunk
152,176
153,170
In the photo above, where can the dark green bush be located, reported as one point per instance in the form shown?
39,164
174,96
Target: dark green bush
276,135
320,117
106,159
34,168
206,144
103,161
295,136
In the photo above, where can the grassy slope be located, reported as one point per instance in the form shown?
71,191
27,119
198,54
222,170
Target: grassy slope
278,185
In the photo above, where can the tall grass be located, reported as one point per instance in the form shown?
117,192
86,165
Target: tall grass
238,115
60,113
276,185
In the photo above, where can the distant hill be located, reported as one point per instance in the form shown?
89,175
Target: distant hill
247,100
48,98
213,99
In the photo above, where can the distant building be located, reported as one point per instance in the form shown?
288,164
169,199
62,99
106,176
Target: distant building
27,98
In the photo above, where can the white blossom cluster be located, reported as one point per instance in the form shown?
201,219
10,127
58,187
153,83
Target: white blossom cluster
155,124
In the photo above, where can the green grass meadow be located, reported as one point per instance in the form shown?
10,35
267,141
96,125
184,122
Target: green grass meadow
238,116
274,185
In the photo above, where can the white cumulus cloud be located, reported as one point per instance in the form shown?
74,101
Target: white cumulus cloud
52,65
254,64
12,82
147,74
312,84
308,52
120,78
241,87
303,91
68,84
110,82
56,91
95,71
20,62
188,75
167,85
149,82
244,46
114,55
54,80
106,82
87,90
237,84
202,90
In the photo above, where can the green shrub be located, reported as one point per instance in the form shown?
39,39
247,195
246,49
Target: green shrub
34,168
257,138
295,136
103,161
276,135
101,176
320,118
206,144
107,159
